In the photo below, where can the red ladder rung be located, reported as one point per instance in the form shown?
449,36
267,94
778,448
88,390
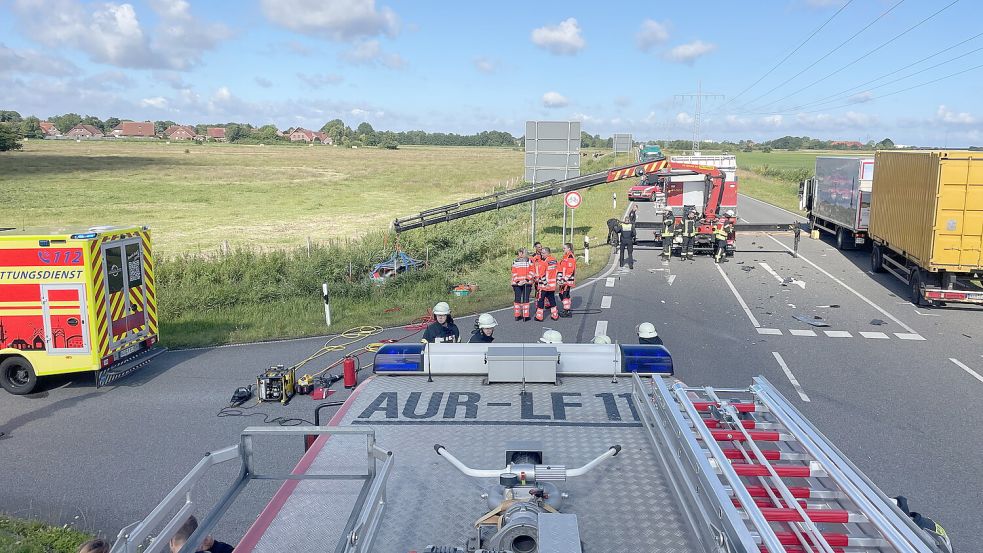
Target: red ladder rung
777,514
767,503
785,471
714,423
737,455
733,435
799,549
799,492
704,406
836,540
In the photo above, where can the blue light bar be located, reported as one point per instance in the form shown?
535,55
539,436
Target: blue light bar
399,358
647,359
84,236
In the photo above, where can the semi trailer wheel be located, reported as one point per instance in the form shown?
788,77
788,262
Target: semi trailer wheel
916,288
877,259
844,241
17,376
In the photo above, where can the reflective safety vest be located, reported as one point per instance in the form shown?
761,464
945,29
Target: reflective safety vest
566,270
721,232
522,270
537,270
547,279
668,227
689,227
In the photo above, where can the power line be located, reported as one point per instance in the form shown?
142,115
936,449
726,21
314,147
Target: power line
787,56
699,95
813,64
892,39
898,70
839,96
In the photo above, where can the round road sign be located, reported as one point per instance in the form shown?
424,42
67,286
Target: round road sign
572,199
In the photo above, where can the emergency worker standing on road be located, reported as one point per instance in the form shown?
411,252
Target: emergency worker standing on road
546,272
442,329
633,213
689,235
537,270
484,328
721,232
565,278
668,232
522,277
647,335
627,241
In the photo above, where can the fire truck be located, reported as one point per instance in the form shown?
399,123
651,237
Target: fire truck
72,301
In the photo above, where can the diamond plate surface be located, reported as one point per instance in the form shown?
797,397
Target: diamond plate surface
622,505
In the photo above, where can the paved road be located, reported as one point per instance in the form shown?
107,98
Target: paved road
879,382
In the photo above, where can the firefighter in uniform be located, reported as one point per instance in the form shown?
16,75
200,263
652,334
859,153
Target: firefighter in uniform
484,328
627,241
690,225
668,232
442,329
565,278
546,272
647,334
720,234
521,285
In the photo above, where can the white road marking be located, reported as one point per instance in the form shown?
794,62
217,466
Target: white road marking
799,332
917,312
912,336
601,329
838,333
771,331
971,372
791,377
747,310
606,302
670,279
609,282
845,285
875,335
778,277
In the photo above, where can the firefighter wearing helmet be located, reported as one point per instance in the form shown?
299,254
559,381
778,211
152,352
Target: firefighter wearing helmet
690,225
484,328
600,339
551,337
721,232
668,232
647,334
442,329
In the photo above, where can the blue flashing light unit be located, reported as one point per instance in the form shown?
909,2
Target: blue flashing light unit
646,359
402,358
84,236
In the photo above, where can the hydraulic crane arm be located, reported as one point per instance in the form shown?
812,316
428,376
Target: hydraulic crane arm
527,193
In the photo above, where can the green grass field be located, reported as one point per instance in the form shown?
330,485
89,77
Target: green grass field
32,536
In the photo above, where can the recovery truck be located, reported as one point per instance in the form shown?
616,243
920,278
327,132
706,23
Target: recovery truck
837,198
701,187
75,301
548,448
926,223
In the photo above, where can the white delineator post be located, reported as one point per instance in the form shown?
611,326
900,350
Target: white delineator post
587,250
614,200
327,304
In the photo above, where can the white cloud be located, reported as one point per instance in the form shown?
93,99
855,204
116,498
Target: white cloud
684,118
263,82
772,120
223,94
622,101
32,61
689,52
650,34
319,80
588,119
368,52
172,78
113,34
554,100
862,97
158,102
485,65
945,115
338,20
562,39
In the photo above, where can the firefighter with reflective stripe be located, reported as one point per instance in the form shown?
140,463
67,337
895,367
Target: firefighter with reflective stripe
537,270
522,277
442,329
668,231
546,272
565,278
721,232
690,225
627,242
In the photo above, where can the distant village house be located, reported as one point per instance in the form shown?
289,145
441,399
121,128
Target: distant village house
85,131
133,129
304,135
216,133
49,128
180,132
847,144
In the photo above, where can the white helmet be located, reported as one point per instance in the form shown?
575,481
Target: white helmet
485,320
442,309
729,213
551,337
601,339
646,330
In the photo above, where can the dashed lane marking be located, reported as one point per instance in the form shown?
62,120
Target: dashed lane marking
970,371
601,329
838,333
907,336
791,377
875,335
800,332
771,331
606,302
609,282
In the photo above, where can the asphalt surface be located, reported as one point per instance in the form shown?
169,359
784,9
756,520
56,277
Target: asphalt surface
891,399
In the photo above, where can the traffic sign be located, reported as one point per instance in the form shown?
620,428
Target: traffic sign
572,199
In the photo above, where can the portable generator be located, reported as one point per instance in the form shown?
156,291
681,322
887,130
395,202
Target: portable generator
276,384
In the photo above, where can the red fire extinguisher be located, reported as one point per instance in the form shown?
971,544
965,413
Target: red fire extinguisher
350,371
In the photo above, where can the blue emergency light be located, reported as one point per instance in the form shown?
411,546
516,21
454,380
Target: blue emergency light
399,358
645,359
84,236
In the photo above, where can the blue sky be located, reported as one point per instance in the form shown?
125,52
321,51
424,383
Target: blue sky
469,66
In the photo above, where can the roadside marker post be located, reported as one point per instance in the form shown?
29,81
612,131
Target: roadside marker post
327,304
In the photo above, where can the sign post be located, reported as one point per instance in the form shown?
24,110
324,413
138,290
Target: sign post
571,200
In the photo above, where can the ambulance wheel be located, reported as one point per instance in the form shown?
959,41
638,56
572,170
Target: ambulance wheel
17,376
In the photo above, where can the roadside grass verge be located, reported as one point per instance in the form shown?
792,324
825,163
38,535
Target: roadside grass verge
32,536
783,194
250,294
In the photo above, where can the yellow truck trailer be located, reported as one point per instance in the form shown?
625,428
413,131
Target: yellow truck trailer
926,223
74,301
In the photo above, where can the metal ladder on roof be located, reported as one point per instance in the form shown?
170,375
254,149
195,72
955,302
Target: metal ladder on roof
755,475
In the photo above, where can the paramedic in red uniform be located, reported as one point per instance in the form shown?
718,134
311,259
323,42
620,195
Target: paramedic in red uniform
546,272
565,277
521,285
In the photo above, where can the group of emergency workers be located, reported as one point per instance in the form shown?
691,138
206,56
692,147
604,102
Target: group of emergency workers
688,228
541,279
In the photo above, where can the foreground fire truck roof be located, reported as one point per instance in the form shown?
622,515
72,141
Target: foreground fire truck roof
65,233
660,466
